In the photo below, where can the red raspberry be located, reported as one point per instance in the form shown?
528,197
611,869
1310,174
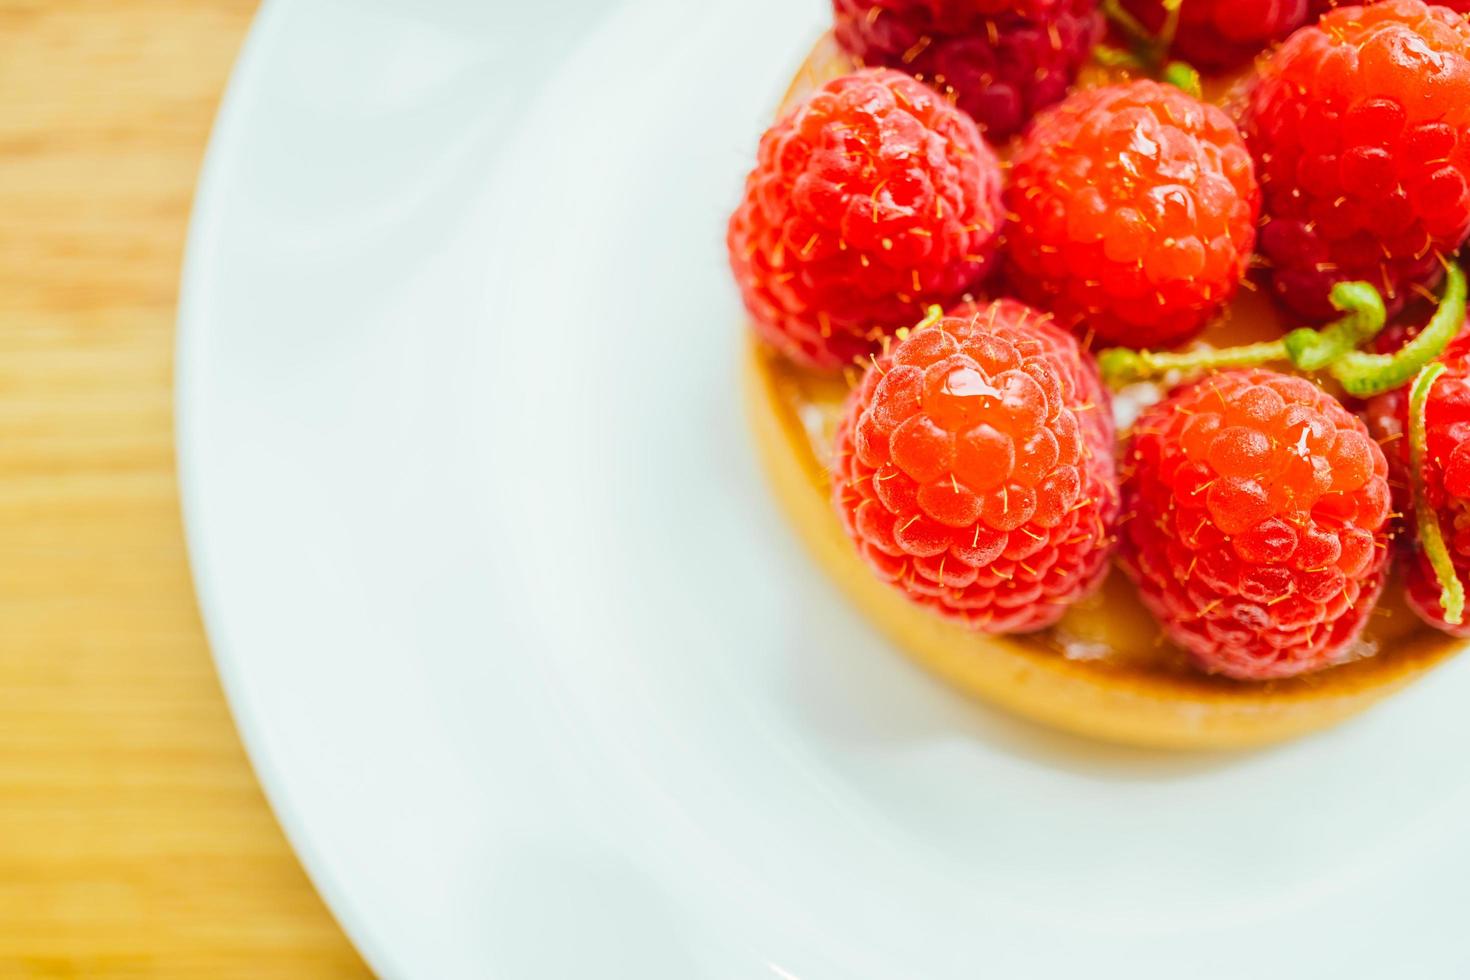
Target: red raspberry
1358,126
974,469
1320,7
871,200
1218,34
1258,523
1133,213
1001,61
1446,472
1424,590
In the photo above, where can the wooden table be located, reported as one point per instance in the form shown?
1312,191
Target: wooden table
134,840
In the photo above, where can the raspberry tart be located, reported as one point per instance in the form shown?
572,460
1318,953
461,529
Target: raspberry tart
968,390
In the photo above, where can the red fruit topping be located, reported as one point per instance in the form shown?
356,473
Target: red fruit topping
872,199
1258,523
1133,213
974,469
1424,590
1216,34
1320,7
1358,126
1001,61
1446,473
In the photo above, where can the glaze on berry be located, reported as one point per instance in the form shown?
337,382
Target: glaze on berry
1218,34
974,469
1359,130
1257,523
1133,213
1001,62
871,200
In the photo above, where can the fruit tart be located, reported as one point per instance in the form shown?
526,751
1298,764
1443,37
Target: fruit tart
1132,400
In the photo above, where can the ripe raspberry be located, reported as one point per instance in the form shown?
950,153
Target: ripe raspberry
1218,34
1133,213
1258,523
1446,473
1358,126
1320,7
871,200
974,469
1424,590
1002,61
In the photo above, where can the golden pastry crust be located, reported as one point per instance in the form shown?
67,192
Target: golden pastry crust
1104,671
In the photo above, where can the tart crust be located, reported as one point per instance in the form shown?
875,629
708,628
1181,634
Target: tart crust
1105,671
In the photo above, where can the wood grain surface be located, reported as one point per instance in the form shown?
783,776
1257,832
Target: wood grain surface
134,840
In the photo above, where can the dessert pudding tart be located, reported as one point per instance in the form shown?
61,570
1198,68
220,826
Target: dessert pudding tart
949,457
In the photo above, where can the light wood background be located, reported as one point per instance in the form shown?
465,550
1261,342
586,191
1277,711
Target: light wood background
134,840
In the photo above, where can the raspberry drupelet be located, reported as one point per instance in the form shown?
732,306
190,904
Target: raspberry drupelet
1133,213
1001,60
1320,7
1257,523
1219,34
871,199
974,469
1445,474
1359,129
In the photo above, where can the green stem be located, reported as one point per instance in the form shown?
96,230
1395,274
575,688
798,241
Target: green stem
1332,349
1362,320
1170,30
1122,366
1182,75
1113,57
1310,350
1149,51
1130,25
1364,374
1431,537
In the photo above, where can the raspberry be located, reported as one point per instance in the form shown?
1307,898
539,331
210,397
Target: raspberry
871,200
1320,7
1446,473
1001,61
1258,523
974,469
1424,590
1358,126
1133,213
1219,34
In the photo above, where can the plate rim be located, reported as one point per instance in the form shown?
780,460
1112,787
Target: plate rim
191,324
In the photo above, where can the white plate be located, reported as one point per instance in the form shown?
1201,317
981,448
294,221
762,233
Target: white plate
534,675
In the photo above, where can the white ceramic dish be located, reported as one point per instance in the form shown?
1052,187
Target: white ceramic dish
537,680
